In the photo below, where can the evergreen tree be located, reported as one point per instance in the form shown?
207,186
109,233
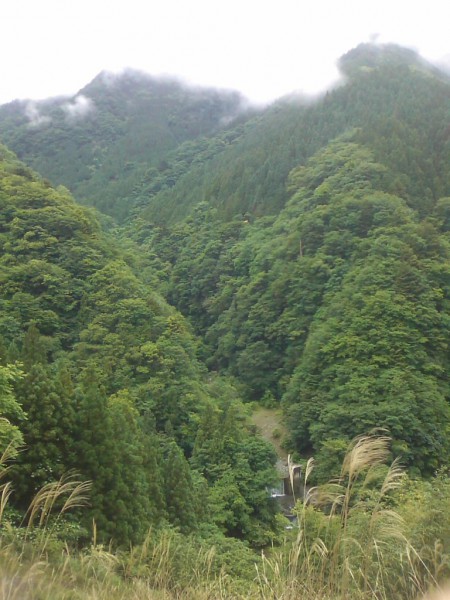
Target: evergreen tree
11,412
180,494
46,394
95,454
131,497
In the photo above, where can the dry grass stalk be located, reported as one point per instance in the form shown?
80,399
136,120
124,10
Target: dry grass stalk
46,500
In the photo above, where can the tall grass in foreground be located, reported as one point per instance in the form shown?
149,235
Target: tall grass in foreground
349,545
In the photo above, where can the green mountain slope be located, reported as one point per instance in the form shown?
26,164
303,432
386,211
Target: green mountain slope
300,259
399,104
285,239
110,383
338,305
342,300
102,141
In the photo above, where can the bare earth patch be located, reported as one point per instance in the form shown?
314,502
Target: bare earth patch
269,421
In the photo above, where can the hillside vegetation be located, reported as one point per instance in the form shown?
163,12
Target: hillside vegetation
399,105
113,133
341,298
100,375
295,258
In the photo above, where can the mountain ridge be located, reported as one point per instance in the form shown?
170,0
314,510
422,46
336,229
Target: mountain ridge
116,123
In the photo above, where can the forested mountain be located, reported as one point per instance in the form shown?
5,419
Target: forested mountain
132,141
263,255
296,257
399,105
341,297
113,133
101,375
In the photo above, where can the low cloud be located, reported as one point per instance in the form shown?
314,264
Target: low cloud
444,63
34,116
78,108
109,78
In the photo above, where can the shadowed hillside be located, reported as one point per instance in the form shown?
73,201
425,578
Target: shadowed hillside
102,141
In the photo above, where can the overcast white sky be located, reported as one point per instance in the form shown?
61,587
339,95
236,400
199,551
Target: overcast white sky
264,48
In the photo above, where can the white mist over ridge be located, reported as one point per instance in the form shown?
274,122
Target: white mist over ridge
264,51
79,107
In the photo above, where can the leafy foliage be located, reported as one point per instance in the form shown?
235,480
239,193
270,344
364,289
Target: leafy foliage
11,412
115,132
111,386
340,300
308,246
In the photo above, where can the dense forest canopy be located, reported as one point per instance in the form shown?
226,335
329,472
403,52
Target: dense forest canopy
113,132
341,297
295,257
107,380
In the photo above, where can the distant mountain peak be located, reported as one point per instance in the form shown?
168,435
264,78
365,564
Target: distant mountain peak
131,81
369,56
